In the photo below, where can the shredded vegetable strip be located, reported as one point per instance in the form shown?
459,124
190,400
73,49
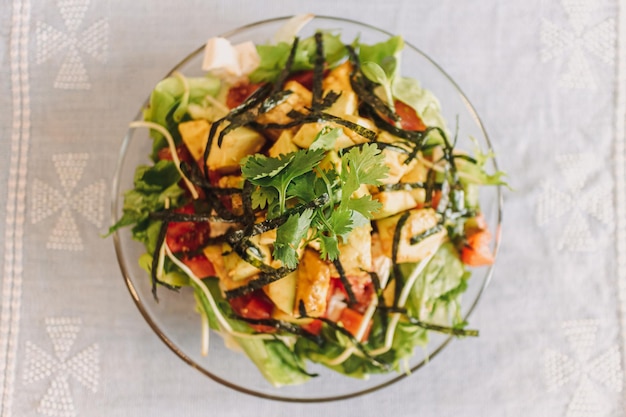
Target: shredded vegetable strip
172,146
204,327
401,301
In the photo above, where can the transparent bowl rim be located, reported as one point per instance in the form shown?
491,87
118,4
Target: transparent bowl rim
177,350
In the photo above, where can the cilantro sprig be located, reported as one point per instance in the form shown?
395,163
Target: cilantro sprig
296,178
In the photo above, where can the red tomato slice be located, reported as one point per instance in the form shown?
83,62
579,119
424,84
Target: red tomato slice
200,266
182,151
239,93
314,327
409,120
362,290
477,252
254,306
303,77
186,236
352,320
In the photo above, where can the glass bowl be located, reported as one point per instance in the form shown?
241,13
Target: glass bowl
174,318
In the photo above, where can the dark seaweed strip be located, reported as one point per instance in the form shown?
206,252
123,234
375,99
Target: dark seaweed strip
465,157
435,327
240,120
317,117
263,280
401,186
283,326
381,302
443,329
295,123
209,144
329,99
266,225
430,187
427,233
250,253
155,263
354,341
358,129
274,100
394,254
192,172
174,217
318,72
363,87
246,198
345,282
380,145
414,136
254,100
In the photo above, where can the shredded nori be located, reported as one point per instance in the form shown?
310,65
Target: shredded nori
345,282
394,254
318,72
427,233
155,263
284,326
258,283
455,331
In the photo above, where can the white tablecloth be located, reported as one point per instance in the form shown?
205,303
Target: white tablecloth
549,81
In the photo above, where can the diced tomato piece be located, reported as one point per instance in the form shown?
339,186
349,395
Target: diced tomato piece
313,327
199,265
476,252
255,305
165,153
214,177
239,93
303,77
186,236
352,320
434,202
363,290
409,119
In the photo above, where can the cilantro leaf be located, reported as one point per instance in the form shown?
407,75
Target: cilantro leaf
329,247
263,197
258,167
326,138
364,205
361,165
279,172
341,223
289,236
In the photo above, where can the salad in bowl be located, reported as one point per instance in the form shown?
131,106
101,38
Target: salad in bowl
312,199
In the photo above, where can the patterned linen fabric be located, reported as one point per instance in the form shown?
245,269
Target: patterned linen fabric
549,81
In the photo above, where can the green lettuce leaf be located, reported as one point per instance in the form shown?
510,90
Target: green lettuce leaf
169,97
153,185
274,57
